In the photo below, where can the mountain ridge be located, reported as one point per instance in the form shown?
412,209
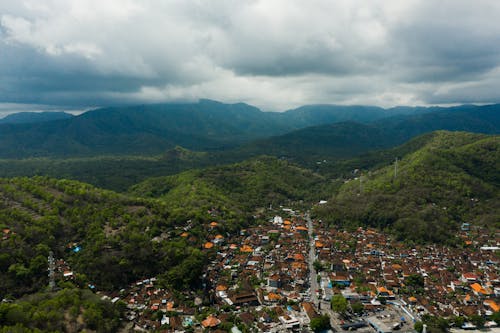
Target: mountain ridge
206,125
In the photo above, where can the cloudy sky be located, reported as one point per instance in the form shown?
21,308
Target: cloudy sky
275,54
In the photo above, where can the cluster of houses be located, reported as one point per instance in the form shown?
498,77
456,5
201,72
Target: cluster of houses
257,278
368,266
260,278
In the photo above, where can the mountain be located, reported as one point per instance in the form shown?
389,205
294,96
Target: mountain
34,117
142,130
452,178
209,125
312,115
311,145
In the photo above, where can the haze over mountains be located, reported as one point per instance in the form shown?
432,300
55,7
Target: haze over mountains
209,125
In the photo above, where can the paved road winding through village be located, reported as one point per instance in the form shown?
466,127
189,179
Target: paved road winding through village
312,255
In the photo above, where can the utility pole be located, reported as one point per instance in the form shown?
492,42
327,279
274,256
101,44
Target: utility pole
395,168
52,268
360,183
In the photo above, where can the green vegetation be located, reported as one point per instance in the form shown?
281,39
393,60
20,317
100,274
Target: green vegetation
68,310
132,238
238,187
339,303
452,179
116,173
320,323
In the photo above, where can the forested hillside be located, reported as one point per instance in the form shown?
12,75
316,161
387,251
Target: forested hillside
115,236
452,179
257,182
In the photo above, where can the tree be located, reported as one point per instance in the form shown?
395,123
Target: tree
357,307
419,326
339,303
477,320
320,323
318,266
496,317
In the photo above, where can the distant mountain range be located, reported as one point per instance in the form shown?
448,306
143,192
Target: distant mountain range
209,125
34,117
349,139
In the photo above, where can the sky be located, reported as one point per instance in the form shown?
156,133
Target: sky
274,54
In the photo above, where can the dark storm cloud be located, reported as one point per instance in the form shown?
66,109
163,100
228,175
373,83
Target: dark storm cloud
274,53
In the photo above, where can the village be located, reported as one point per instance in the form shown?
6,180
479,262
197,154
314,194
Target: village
281,275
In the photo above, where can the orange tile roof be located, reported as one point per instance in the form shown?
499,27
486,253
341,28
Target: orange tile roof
412,299
478,288
208,245
221,287
492,304
211,321
382,290
318,244
214,224
298,257
287,222
219,237
273,297
246,248
301,228
184,234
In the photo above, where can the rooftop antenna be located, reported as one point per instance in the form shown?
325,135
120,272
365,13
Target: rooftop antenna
52,268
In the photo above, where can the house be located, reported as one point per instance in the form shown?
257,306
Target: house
309,310
469,277
242,298
210,321
479,290
274,281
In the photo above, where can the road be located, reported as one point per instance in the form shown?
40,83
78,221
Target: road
312,257
322,306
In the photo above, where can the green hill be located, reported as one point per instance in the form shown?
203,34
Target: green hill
453,178
244,186
116,173
135,235
131,238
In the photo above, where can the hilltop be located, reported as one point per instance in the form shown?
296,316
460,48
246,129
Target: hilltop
34,117
244,186
453,178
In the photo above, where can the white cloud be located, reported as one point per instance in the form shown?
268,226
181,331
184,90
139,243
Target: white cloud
272,53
